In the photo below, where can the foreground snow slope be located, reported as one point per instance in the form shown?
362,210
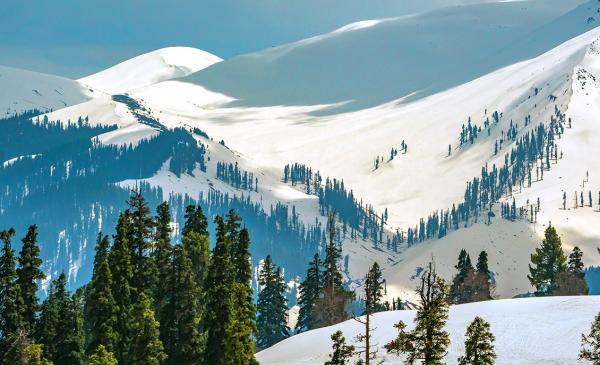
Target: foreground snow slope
528,331
22,90
150,68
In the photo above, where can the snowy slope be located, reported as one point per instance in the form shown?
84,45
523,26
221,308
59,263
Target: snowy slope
371,62
22,90
528,332
291,120
150,68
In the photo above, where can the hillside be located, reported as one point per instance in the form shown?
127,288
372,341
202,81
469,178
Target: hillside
528,331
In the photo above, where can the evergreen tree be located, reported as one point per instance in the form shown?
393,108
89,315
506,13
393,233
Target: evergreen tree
11,319
122,274
102,357
333,301
48,327
575,262
374,294
590,344
180,318
147,348
162,253
482,263
101,309
218,289
272,317
309,292
464,265
145,277
34,355
428,341
341,352
479,345
547,263
572,281
195,220
29,274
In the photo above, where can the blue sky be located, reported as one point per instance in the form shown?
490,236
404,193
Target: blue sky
75,38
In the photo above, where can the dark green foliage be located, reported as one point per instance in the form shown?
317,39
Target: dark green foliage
464,265
119,261
29,274
572,281
374,294
139,235
11,319
590,344
547,263
479,345
575,262
101,309
180,316
147,348
309,292
341,352
219,303
161,255
61,325
470,285
428,342
102,357
272,306
195,220
482,263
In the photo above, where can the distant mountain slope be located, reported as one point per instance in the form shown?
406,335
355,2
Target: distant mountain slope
150,68
22,90
528,331
372,62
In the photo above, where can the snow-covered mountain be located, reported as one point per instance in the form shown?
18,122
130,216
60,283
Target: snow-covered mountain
22,90
150,68
339,103
528,331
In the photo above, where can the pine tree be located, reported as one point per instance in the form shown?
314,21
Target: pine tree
195,220
374,294
122,274
590,344
218,289
309,292
332,303
147,348
572,281
29,274
11,319
244,310
482,263
479,345
428,341
547,263
271,317
102,357
162,253
101,309
464,265
34,355
145,276
341,352
180,318
368,349
48,327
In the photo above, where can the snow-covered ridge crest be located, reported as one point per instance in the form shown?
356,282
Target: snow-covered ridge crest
150,68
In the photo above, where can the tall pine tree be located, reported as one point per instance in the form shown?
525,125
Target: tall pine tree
479,345
547,262
310,289
271,317
147,348
11,319
29,274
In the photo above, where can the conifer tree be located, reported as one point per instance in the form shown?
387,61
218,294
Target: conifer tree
180,318
464,265
341,351
219,304
479,345
195,220
332,303
11,319
309,292
102,357
198,247
29,274
139,234
271,318
162,253
547,262
34,355
590,344
374,294
147,348
482,263
122,274
48,327
428,341
100,306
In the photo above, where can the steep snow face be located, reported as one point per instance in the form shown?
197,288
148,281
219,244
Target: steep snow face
373,62
150,68
528,331
22,90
